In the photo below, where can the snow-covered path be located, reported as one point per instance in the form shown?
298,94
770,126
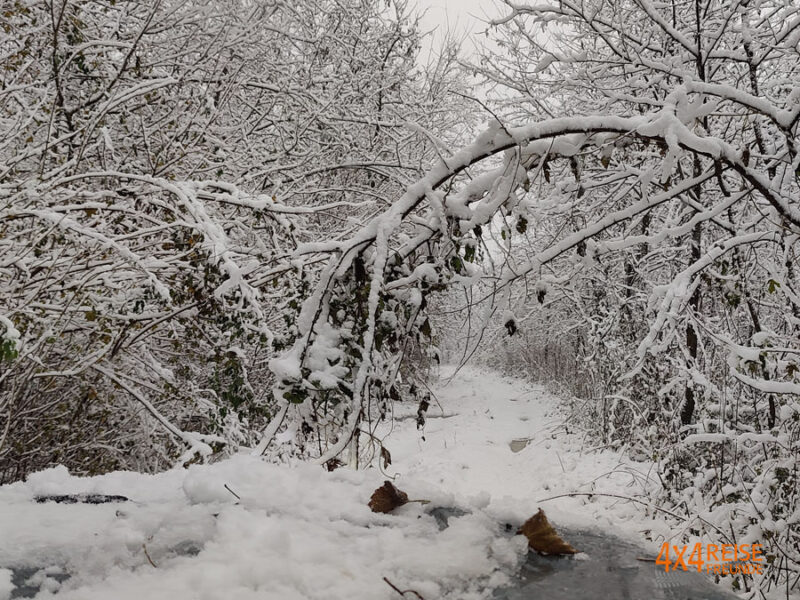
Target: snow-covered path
299,532
468,451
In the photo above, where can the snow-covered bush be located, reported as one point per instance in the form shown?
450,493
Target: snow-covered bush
160,164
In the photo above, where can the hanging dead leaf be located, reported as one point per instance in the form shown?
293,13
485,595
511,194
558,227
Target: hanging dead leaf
386,498
542,537
386,456
333,464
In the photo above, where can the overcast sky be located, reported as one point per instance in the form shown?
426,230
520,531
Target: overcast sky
459,15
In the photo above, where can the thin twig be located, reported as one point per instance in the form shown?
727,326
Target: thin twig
563,470
232,492
401,592
147,554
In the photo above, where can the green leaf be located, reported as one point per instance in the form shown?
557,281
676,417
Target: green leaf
772,286
8,350
296,395
469,254
455,262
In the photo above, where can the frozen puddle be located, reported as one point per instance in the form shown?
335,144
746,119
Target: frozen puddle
608,567
28,581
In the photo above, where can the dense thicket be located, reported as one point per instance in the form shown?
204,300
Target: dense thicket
160,163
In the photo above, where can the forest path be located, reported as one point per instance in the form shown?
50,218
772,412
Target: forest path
507,445
504,443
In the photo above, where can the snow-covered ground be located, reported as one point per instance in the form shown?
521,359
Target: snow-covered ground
301,532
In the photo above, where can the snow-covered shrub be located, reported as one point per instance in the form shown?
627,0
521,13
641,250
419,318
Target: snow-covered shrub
160,166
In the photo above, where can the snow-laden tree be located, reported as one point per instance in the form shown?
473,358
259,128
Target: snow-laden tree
640,179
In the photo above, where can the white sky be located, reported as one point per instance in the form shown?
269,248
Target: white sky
458,15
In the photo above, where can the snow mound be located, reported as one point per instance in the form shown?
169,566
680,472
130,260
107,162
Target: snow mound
296,532
6,587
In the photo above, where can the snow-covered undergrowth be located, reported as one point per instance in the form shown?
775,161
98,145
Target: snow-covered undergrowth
299,531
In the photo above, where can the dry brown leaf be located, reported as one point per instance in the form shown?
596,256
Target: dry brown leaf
542,537
386,456
333,464
386,498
